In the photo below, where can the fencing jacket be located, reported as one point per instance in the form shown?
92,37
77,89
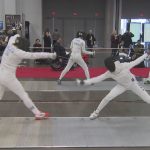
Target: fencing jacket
13,56
121,74
78,47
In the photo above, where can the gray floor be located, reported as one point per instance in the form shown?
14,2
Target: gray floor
123,124
70,86
75,132
74,101
69,127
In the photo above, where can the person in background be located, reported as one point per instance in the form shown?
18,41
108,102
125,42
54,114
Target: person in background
127,38
55,36
14,53
59,49
77,48
90,39
3,45
138,52
37,48
62,55
47,41
114,44
9,34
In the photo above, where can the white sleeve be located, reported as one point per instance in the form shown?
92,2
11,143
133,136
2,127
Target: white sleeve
97,79
84,50
28,55
137,61
13,39
71,45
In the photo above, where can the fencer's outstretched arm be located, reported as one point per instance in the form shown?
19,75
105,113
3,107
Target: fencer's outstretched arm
37,55
28,55
94,80
86,52
137,61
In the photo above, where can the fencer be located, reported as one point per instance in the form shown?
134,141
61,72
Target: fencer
77,48
120,72
11,58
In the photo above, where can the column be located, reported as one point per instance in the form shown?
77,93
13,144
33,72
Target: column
109,21
118,15
2,13
112,19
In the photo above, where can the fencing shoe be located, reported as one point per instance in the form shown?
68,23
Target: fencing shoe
42,116
59,82
79,82
94,115
147,81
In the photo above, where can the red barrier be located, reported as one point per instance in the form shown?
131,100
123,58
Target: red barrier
47,72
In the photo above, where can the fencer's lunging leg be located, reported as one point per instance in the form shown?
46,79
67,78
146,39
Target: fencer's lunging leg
141,92
16,87
117,90
84,66
67,68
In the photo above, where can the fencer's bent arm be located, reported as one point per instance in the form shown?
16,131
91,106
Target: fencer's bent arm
84,51
13,39
137,61
71,45
87,52
28,55
97,79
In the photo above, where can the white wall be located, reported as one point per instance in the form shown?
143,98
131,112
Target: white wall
1,10
7,7
32,10
10,6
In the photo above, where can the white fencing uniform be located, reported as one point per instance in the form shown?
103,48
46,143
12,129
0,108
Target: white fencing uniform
12,56
125,79
77,48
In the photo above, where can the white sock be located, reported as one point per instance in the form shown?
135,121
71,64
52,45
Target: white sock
29,104
34,110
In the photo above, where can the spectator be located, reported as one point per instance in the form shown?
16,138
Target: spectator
47,41
2,45
138,51
127,38
37,48
62,56
114,43
90,40
55,36
59,49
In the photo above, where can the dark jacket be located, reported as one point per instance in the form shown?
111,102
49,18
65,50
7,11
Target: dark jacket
127,38
59,49
90,40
